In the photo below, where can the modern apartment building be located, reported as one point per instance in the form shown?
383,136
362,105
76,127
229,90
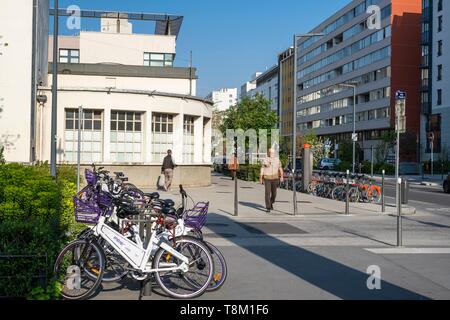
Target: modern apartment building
136,103
378,59
286,95
223,98
435,95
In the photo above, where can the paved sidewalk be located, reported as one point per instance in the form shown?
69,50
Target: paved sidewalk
251,201
320,254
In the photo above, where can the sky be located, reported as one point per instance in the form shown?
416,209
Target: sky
230,40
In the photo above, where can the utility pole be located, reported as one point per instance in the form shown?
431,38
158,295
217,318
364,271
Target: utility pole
80,122
354,135
236,203
53,142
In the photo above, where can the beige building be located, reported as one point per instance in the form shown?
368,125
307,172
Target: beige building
136,106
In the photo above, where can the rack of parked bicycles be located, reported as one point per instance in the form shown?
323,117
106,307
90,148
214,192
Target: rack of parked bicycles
135,234
333,185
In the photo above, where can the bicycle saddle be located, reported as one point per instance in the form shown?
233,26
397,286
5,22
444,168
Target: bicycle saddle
168,203
152,196
169,211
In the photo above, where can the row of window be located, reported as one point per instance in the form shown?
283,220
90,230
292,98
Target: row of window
126,136
359,81
370,115
347,51
347,34
347,102
150,59
360,9
349,67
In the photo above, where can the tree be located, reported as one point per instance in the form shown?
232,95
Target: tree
2,157
385,146
316,143
250,113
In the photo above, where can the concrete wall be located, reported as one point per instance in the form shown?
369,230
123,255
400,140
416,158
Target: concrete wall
146,176
127,49
15,78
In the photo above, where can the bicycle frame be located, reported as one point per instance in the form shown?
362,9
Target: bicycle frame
135,254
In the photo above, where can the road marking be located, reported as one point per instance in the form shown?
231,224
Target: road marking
410,251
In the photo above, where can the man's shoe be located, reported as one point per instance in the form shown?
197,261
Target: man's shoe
268,210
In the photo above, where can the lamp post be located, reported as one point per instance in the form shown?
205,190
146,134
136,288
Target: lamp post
354,137
54,118
294,116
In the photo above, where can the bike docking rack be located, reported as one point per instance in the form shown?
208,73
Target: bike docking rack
143,221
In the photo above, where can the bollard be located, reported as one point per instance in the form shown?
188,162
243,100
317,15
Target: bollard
399,214
347,192
383,199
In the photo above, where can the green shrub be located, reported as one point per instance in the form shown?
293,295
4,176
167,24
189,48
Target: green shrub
390,169
344,166
36,218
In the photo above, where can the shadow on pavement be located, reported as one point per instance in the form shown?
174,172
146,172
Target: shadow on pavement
336,278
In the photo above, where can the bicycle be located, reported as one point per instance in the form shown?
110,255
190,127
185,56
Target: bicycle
171,260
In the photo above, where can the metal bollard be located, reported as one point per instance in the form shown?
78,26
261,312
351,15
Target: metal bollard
383,199
399,214
347,197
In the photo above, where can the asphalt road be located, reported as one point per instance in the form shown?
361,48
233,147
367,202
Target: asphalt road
420,196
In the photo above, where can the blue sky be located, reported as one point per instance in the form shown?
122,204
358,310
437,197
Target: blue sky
230,40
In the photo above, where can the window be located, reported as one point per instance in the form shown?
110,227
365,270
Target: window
162,135
439,51
69,56
158,59
439,23
188,139
440,5
91,136
439,73
439,97
126,136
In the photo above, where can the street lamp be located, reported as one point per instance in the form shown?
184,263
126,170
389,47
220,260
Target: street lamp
354,137
294,122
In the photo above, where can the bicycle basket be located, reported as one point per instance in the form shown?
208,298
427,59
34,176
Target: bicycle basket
90,176
87,212
196,217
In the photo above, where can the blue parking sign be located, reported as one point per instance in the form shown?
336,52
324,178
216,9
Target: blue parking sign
400,95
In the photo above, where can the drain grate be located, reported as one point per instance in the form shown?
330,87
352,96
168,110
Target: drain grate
271,228
226,192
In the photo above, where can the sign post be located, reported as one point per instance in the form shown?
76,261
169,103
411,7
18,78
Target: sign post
400,113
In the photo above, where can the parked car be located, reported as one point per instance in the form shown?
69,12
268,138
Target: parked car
329,164
447,184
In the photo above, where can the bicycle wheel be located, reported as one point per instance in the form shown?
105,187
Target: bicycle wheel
374,195
71,266
353,194
220,268
190,284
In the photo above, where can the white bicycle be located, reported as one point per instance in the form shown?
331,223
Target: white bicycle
183,267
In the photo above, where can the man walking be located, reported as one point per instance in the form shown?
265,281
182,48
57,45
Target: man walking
271,176
167,169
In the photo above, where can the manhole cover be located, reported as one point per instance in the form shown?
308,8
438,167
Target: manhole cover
271,228
219,235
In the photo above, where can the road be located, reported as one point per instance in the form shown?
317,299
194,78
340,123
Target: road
422,197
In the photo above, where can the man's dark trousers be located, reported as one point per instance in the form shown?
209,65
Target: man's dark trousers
271,187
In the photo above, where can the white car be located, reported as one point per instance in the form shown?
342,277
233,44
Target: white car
329,164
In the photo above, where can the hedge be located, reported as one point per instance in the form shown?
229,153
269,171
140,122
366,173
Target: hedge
36,220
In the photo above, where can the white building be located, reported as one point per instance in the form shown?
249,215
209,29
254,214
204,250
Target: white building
267,86
223,98
248,87
136,104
